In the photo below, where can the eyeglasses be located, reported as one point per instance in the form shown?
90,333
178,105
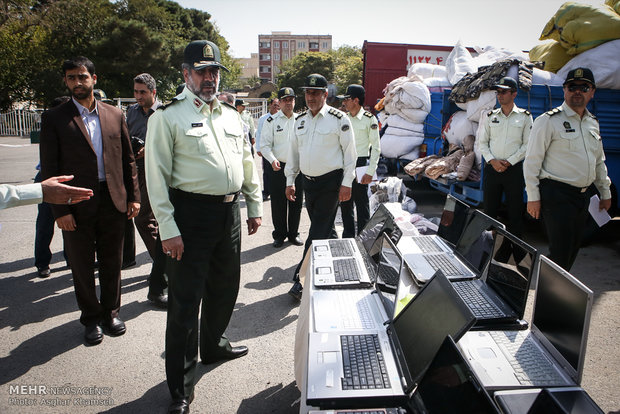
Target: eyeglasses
578,87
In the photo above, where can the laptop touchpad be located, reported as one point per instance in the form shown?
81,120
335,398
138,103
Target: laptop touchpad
328,357
487,353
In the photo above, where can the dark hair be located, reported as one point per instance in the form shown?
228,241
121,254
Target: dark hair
77,62
361,99
146,79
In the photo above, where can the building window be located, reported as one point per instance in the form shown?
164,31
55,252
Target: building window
301,45
276,44
276,56
324,45
284,45
265,69
285,56
264,44
314,45
265,57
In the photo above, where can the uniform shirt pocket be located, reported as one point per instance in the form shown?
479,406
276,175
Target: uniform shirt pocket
324,135
570,139
202,139
234,138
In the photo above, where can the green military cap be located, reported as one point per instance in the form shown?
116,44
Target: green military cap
201,54
286,92
241,102
353,91
506,83
580,74
315,81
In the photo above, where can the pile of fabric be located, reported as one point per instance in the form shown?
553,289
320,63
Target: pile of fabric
407,103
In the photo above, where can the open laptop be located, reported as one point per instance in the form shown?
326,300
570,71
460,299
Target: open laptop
381,367
348,263
565,400
499,297
552,352
448,386
453,262
360,309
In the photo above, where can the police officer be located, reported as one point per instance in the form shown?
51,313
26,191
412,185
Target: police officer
197,163
274,144
323,151
246,117
564,157
502,142
366,131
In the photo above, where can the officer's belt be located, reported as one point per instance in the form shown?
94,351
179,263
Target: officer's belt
567,186
224,199
329,175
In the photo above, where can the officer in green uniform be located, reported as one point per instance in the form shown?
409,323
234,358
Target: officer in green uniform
274,144
323,151
197,163
247,119
564,158
366,132
502,142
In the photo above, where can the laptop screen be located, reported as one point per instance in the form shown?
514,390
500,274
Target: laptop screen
388,274
418,331
449,386
561,311
381,222
510,270
453,220
476,241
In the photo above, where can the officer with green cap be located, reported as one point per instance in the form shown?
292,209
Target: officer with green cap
197,164
323,151
247,119
274,146
564,158
366,131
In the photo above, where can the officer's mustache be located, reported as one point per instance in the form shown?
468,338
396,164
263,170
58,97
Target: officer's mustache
207,84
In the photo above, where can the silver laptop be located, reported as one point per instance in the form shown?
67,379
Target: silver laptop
454,262
564,400
498,299
360,309
552,352
381,367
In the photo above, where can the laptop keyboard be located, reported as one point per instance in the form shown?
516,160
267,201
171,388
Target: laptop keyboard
478,302
350,318
340,248
531,365
441,262
389,275
363,363
427,244
346,270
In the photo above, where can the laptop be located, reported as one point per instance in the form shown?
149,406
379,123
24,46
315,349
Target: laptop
348,263
360,309
500,295
448,386
566,400
381,367
552,352
452,261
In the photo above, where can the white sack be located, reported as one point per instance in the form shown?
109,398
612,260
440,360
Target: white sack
437,82
413,155
456,129
484,103
604,62
543,77
427,70
459,63
394,146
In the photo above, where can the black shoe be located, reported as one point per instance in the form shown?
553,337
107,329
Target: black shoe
278,243
235,352
161,300
43,272
128,265
180,406
296,241
265,197
296,291
115,326
93,334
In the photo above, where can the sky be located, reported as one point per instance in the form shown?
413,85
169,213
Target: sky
514,25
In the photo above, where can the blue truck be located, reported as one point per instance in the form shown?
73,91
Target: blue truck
605,106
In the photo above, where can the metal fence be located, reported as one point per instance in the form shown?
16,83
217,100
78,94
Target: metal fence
20,123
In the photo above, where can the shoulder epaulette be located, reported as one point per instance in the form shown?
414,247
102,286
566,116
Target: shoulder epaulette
269,118
335,113
368,114
172,102
228,105
490,113
527,112
300,114
554,111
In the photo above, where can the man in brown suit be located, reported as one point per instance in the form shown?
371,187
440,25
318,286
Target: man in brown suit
89,139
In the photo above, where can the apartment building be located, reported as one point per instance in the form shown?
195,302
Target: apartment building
277,47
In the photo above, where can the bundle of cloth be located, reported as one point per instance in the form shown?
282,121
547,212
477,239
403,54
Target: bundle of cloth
407,103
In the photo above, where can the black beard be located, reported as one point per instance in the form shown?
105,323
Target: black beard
197,91
82,95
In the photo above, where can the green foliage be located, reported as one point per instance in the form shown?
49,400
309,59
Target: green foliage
348,66
123,38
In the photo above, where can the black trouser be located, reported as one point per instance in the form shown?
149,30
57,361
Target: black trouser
322,204
359,196
285,214
208,272
565,211
511,183
266,169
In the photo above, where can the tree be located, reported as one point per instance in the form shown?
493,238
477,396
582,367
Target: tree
294,72
348,66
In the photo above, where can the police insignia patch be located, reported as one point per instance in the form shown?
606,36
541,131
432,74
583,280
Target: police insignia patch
374,126
345,128
207,52
197,103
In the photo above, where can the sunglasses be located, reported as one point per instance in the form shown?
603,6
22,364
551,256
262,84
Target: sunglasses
574,87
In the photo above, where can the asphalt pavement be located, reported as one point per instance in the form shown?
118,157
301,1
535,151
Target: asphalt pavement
46,368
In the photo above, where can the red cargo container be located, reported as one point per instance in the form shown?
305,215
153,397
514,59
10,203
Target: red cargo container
384,62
